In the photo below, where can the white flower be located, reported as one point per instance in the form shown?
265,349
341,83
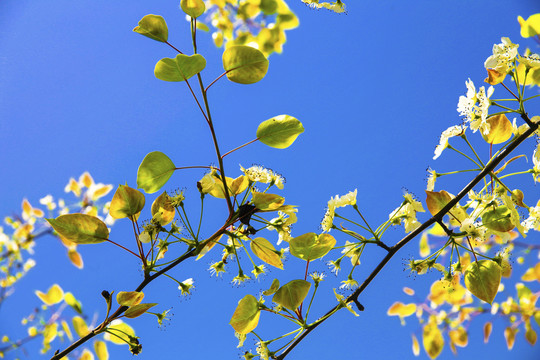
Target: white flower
432,177
475,106
503,55
456,130
260,174
48,200
531,61
337,202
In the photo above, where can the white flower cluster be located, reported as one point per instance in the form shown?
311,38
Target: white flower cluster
503,56
260,174
333,204
456,130
475,107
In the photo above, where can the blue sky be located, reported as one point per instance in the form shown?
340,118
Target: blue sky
373,88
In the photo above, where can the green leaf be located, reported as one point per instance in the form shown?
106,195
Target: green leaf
154,171
267,202
273,288
244,64
310,246
154,27
126,202
129,298
137,310
193,8
269,7
482,279
246,316
80,228
499,219
292,294
437,200
280,131
266,252
181,68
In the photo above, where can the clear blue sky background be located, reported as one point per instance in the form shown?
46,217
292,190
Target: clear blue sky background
374,90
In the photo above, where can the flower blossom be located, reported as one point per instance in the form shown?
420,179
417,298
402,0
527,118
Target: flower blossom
503,56
475,107
333,204
456,130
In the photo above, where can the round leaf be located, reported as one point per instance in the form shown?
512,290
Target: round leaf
292,294
80,228
126,202
310,246
498,219
154,27
437,200
280,131
482,279
246,316
181,68
273,288
500,129
244,64
154,171
266,252
193,8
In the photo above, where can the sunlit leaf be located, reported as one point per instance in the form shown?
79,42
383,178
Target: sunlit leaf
181,68
154,171
292,294
208,247
235,186
487,331
415,346
273,288
244,64
437,200
510,336
75,258
265,251
54,295
500,129
531,26
280,131
121,331
532,273
80,326
154,27
137,310
73,302
246,316
267,202
401,310
86,355
498,219
482,279
129,298
162,209
311,246
67,330
100,348
80,228
193,8
459,337
530,335
432,339
126,202
50,332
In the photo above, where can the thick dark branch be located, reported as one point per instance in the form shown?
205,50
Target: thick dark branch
437,217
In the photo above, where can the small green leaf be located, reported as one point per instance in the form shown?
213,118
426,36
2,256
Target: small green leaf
154,27
273,288
310,246
266,252
482,279
499,219
154,171
246,316
80,228
244,64
193,8
181,68
138,310
280,131
292,294
126,202
129,298
267,202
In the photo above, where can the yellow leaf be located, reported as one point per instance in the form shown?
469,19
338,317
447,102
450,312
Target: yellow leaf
265,251
530,335
459,337
487,331
494,77
49,333
415,346
408,291
500,129
162,210
75,258
432,339
532,273
86,355
531,26
208,247
67,330
401,310
80,326
121,330
54,295
510,336
129,298
424,245
100,348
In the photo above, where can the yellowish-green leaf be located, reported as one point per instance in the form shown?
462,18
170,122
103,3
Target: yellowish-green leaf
246,316
49,333
510,336
67,330
437,200
181,68
54,295
487,331
432,339
532,274
267,202
100,348
459,337
498,219
208,247
73,302
154,171
235,186
193,8
425,250
154,27
482,279
265,251
273,288
415,345
244,64
80,326
80,228
292,294
129,298
401,310
500,129
121,331
530,335
126,202
531,26
280,131
75,258
86,355
311,246
138,310
162,209
269,7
